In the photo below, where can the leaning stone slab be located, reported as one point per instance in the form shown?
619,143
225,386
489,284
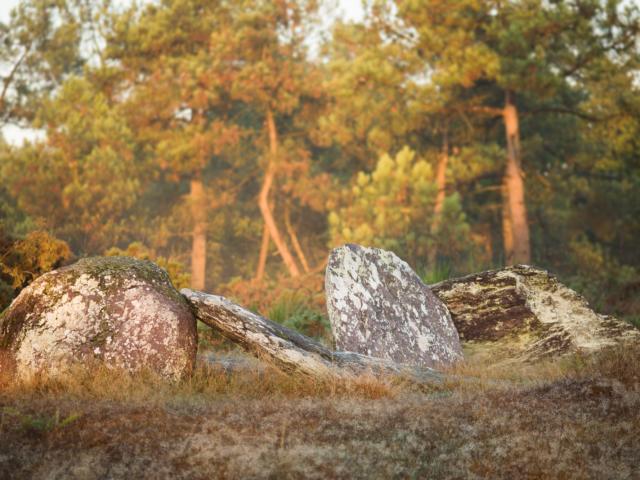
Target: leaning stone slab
117,310
525,313
291,351
378,306
287,349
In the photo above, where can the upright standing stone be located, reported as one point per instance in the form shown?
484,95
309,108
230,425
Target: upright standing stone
378,306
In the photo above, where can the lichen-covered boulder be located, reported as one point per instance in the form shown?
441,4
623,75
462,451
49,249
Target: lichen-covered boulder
117,310
378,306
525,313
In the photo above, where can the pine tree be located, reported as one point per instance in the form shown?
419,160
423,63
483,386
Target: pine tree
510,50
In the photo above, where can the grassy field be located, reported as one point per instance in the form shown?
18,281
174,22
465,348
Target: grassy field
575,418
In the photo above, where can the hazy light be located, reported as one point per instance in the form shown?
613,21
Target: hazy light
347,10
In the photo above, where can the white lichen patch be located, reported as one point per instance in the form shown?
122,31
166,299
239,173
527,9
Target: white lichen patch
59,327
557,305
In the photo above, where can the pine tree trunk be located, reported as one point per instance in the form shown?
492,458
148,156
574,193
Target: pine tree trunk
507,235
294,240
441,183
441,180
264,251
515,186
199,234
263,199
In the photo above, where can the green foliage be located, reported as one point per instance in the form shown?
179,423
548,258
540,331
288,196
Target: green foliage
13,221
367,83
40,47
611,287
475,161
441,271
522,46
293,311
41,424
83,181
393,208
390,208
23,260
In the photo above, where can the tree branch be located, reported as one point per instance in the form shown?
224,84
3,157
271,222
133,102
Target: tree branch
9,79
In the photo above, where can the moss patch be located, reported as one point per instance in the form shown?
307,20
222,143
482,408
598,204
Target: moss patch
113,272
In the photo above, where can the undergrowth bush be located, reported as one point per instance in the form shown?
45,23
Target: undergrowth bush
439,272
297,303
609,286
293,311
259,296
22,260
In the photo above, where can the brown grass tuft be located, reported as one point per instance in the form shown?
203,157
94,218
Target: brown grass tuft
620,363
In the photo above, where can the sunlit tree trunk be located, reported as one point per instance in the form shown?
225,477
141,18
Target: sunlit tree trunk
294,239
263,199
507,235
264,251
515,186
199,234
441,183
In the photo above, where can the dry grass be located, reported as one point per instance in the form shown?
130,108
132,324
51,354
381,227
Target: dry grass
575,418
209,382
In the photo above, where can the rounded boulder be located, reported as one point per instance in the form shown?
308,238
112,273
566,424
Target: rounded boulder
120,311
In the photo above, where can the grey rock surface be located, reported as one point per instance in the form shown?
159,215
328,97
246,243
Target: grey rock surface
287,349
117,310
378,306
291,351
524,313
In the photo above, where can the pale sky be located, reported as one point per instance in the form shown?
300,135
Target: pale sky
346,10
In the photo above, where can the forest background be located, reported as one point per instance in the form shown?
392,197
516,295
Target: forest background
216,139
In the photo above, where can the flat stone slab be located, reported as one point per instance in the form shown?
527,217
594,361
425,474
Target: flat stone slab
525,313
378,306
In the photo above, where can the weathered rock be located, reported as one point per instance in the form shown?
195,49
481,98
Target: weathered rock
291,351
522,312
378,306
118,310
287,349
